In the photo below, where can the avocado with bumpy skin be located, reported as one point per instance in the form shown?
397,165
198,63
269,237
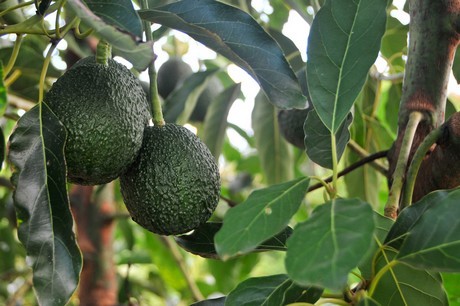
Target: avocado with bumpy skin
174,185
171,75
290,123
104,110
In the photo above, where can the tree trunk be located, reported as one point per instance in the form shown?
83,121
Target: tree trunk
434,36
93,213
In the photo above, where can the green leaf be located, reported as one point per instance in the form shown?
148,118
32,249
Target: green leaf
36,151
333,241
290,50
164,261
394,43
404,285
211,302
180,103
264,214
3,96
343,44
215,122
318,139
451,281
410,216
367,301
139,54
201,241
382,227
274,151
237,36
434,241
456,67
273,290
118,13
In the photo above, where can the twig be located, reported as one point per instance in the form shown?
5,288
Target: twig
196,293
391,208
363,154
359,163
230,202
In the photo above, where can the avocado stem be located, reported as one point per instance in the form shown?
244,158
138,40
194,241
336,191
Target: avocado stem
103,53
157,113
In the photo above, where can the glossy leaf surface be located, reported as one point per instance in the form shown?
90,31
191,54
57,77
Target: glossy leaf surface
42,205
220,27
434,241
139,54
333,241
343,44
273,290
201,241
318,139
265,213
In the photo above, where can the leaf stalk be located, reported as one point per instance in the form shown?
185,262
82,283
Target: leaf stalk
391,207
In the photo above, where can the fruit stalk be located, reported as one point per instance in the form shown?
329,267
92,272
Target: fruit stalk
157,113
103,53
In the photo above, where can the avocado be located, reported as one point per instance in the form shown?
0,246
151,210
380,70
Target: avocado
104,110
290,122
213,88
173,186
171,74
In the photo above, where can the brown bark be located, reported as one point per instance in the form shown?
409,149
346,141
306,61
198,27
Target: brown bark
434,36
93,213
441,168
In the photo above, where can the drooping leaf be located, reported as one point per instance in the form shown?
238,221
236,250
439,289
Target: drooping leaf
179,105
433,242
410,216
215,121
36,151
290,50
118,13
382,227
220,27
139,54
404,285
273,290
333,241
201,241
394,43
211,302
274,151
264,214
318,139
343,44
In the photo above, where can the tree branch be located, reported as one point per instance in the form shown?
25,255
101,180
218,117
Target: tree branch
351,168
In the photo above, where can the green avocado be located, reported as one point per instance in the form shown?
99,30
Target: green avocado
213,88
173,186
104,110
290,123
171,74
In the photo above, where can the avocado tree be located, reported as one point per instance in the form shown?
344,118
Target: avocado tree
343,192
